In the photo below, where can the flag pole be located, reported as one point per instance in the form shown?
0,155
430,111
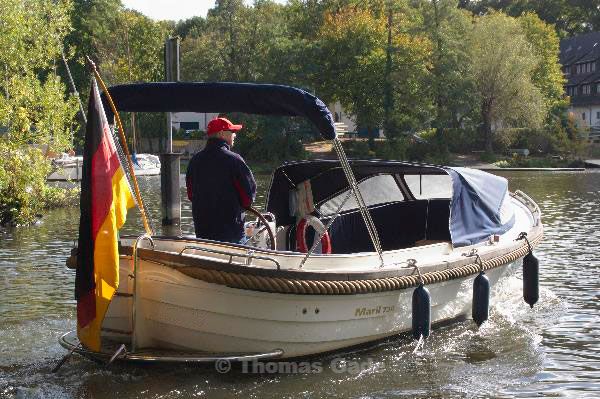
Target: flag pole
124,145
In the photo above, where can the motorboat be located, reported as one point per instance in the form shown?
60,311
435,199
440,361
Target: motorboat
146,165
334,261
66,167
69,167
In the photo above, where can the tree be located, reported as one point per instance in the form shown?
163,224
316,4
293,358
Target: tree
93,25
33,106
352,53
410,73
35,114
447,26
547,75
372,63
137,56
569,17
503,63
192,27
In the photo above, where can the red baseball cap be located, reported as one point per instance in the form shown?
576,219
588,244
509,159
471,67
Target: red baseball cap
221,124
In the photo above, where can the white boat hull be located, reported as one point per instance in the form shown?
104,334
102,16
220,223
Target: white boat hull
179,310
182,313
175,311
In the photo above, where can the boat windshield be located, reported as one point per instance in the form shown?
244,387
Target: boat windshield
429,186
376,190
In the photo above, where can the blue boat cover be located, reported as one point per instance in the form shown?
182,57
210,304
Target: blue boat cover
251,98
476,209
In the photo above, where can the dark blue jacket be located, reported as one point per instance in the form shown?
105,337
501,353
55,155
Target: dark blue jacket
220,186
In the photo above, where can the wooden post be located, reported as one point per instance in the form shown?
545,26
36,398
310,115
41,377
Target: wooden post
169,161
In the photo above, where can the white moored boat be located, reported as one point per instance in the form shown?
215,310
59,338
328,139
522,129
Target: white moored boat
386,227
69,167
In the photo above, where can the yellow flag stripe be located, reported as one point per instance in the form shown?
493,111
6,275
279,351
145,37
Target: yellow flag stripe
106,257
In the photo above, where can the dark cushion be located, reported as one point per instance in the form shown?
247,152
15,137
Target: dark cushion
438,220
399,225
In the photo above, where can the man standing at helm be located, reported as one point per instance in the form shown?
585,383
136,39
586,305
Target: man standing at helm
220,185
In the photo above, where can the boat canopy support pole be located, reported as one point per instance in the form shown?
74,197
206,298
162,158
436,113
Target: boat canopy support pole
337,145
136,265
169,161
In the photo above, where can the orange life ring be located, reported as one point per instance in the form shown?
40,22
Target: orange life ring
316,224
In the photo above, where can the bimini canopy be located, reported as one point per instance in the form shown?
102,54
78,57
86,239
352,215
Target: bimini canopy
477,203
261,99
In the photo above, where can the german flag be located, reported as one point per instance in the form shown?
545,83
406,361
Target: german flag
105,198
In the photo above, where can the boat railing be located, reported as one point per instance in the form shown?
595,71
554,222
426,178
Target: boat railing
531,204
248,256
136,268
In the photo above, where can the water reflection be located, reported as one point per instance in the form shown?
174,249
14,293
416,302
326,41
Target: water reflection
550,351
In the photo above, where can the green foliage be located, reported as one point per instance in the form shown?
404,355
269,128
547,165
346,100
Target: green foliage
569,17
57,197
449,88
182,134
547,75
126,47
488,157
502,70
404,66
93,23
351,45
463,140
269,140
374,64
539,162
24,193
34,110
402,148
358,149
192,27
32,100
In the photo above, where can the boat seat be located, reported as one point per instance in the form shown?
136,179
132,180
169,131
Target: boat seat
399,225
438,220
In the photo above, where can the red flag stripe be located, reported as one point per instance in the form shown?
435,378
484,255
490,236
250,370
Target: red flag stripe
104,164
86,308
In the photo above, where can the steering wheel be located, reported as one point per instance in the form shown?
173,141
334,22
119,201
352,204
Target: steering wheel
263,220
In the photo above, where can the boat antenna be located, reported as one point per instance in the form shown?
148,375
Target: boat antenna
73,87
123,145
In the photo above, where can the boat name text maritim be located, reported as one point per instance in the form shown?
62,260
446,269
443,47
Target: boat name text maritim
373,311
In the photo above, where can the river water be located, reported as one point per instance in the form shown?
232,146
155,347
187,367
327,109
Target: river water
552,350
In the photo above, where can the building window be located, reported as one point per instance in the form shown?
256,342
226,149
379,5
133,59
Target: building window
586,89
189,125
583,115
597,114
593,67
578,68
